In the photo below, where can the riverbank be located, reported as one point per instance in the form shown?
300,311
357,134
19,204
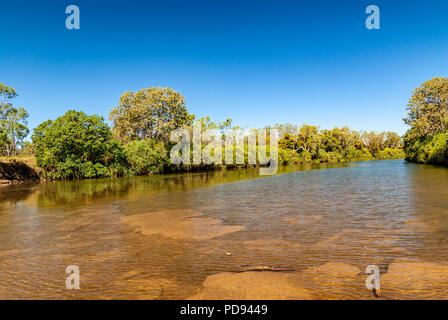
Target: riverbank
18,169
24,169
428,150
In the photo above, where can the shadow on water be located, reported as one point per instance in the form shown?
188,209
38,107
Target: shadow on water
82,192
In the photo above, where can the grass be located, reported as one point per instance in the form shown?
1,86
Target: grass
29,160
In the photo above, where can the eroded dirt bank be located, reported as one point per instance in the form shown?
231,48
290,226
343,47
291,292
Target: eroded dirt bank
16,171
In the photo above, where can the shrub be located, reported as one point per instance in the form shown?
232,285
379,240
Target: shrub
390,153
146,157
354,154
332,156
428,150
76,146
288,156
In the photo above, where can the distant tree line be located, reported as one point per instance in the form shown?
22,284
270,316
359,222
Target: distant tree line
309,144
77,145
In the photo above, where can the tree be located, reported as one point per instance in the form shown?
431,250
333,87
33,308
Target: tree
338,140
6,94
392,140
13,123
146,157
76,146
308,139
289,142
428,109
426,140
27,149
3,142
150,113
373,142
286,129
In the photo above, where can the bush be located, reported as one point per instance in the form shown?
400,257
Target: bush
426,140
288,156
332,156
354,154
146,157
429,150
76,146
389,153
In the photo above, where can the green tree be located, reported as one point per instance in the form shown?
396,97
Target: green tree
338,144
338,140
374,142
428,109
76,146
27,149
14,125
392,140
289,142
149,113
286,128
426,139
3,142
308,139
6,94
146,157
13,121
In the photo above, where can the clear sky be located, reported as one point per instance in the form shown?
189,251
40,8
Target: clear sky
257,62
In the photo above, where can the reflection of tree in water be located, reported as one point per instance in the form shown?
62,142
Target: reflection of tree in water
428,186
78,193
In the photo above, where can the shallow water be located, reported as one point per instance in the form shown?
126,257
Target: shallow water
160,237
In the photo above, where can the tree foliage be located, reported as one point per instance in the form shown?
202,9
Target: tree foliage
146,157
76,146
149,113
310,144
13,122
425,141
428,109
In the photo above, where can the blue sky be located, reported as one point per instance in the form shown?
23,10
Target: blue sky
257,62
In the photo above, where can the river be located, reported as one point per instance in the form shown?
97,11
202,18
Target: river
179,236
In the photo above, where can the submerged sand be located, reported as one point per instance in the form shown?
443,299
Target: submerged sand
180,224
303,219
267,285
416,279
252,286
333,280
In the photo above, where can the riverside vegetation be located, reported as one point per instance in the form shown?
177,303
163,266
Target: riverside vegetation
77,145
427,139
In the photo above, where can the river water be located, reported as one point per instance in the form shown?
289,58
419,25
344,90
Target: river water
179,236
